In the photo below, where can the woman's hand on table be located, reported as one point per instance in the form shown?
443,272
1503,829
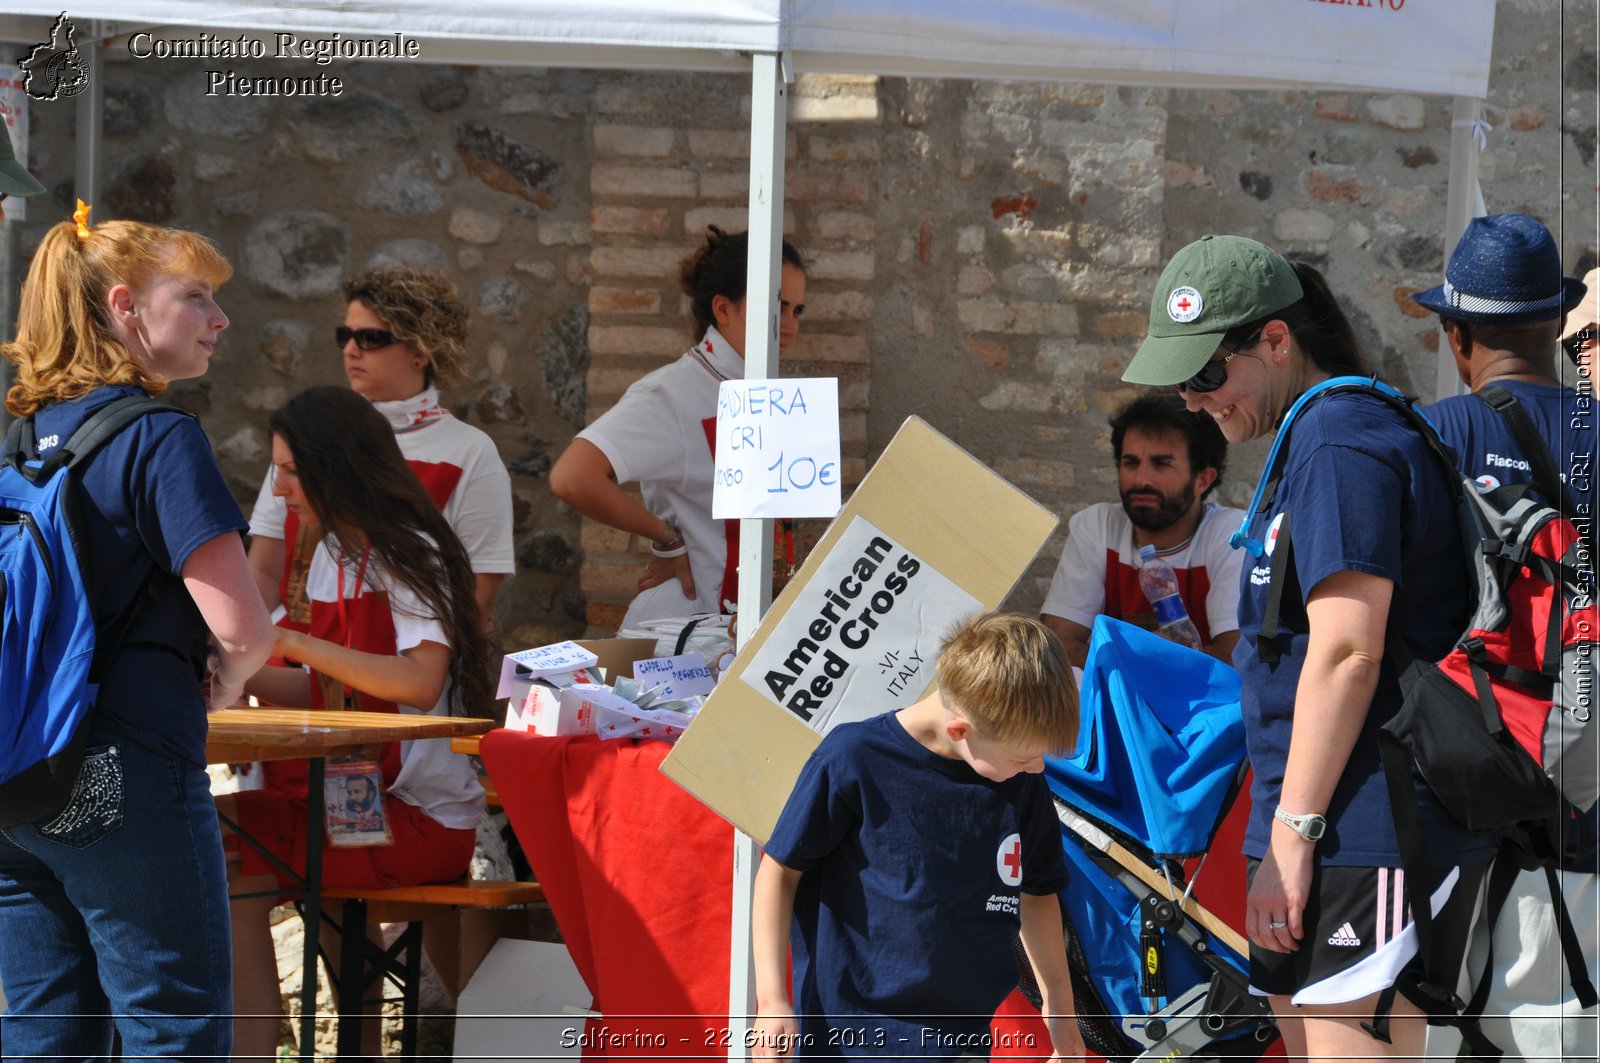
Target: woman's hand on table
662,569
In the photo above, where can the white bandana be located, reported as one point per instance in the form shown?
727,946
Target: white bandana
405,414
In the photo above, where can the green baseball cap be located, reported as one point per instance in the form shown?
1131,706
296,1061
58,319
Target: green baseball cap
1215,284
14,180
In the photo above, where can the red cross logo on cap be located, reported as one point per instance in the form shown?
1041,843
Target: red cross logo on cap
1008,861
1184,304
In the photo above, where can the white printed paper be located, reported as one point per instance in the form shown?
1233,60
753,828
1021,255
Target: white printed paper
862,636
777,449
543,661
675,677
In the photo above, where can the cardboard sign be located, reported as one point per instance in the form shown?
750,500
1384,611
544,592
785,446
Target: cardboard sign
861,638
926,504
777,449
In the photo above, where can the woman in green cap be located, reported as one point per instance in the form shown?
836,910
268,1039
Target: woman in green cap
1242,333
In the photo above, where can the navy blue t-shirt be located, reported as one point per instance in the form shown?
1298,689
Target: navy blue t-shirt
151,495
1362,493
909,904
1489,453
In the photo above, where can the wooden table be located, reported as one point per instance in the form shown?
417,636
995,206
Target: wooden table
240,735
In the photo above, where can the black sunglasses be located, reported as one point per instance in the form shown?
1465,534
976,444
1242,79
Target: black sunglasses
1577,343
1214,373
367,339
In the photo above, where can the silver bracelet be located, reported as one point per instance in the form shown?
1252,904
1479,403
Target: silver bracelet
677,551
674,545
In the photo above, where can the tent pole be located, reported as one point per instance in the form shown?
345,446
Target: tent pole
89,112
769,110
1462,204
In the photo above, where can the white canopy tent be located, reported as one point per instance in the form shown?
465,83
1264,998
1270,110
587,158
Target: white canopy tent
1428,47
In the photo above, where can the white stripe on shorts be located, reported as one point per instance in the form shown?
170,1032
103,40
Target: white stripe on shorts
1379,970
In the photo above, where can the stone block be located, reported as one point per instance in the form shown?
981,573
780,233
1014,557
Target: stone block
1336,184
641,141
1036,472
846,186
610,218
408,189
1122,325
1303,226
476,226
563,233
502,299
834,98
842,149
844,225
643,340
841,266
1409,306
989,355
831,347
409,251
297,254
970,239
974,281
607,300
849,305
719,143
665,182
654,262
1335,108
1398,112
727,184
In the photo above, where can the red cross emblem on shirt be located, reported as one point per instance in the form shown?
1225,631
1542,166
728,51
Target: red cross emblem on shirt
1008,861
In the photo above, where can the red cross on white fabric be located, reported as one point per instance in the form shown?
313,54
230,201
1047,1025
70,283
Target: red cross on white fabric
1013,859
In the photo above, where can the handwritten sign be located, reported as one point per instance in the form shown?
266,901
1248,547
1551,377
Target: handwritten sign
777,449
14,111
675,677
862,635
543,661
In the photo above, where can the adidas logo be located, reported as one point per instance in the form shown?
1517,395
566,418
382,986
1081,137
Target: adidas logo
1345,935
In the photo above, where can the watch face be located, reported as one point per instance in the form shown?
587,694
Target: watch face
1315,827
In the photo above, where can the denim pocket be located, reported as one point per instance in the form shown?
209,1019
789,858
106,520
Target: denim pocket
95,808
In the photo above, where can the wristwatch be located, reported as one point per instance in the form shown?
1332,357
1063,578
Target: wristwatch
1310,826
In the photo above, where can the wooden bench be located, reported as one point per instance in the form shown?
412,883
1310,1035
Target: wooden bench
363,964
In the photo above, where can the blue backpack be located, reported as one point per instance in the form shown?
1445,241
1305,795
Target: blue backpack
50,658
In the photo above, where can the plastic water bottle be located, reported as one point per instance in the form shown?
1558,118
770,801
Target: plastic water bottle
1160,585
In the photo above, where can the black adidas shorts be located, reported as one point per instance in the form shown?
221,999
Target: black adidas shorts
1358,933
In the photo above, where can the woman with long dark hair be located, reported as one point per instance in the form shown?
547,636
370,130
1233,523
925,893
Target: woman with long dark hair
1361,532
394,627
660,435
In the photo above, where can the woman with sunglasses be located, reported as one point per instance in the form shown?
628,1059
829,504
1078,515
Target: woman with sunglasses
660,434
394,628
1241,333
403,338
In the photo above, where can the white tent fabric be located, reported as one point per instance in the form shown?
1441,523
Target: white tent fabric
1361,44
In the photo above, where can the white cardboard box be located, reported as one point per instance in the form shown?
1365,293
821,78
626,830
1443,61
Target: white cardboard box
526,1001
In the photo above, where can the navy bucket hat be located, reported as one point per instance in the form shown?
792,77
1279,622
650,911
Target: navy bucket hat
1506,268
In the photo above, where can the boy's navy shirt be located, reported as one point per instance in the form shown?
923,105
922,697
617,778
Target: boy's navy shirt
909,904
1488,451
1363,494
150,496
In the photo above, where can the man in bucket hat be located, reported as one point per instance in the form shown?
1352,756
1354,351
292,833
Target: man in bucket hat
14,180
1502,306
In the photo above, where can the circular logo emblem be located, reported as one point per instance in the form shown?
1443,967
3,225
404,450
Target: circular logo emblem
1486,482
1184,304
1272,533
1008,861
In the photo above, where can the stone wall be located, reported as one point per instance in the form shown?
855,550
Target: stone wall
982,254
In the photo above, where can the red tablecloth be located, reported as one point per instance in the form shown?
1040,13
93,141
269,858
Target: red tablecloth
639,877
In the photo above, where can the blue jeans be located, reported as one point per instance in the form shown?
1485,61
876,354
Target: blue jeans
114,914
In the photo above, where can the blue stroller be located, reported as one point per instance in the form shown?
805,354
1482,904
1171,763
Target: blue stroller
1160,757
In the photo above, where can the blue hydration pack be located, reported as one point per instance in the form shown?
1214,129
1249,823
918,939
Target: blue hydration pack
50,662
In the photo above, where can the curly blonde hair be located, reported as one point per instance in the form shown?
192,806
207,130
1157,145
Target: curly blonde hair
423,310
66,346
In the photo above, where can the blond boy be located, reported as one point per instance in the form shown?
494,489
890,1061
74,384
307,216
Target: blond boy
913,849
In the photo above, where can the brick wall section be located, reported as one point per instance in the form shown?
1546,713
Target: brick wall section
657,181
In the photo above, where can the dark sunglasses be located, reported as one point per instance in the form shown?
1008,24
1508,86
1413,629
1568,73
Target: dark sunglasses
1577,343
1214,373
367,339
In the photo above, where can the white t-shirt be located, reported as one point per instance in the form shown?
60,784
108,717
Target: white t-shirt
432,778
656,436
443,449
1099,570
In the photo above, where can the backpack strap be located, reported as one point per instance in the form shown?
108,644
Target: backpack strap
1545,477
90,436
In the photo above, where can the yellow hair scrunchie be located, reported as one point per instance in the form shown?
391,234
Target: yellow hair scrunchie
81,216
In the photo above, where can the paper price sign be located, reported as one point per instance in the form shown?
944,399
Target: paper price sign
777,449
